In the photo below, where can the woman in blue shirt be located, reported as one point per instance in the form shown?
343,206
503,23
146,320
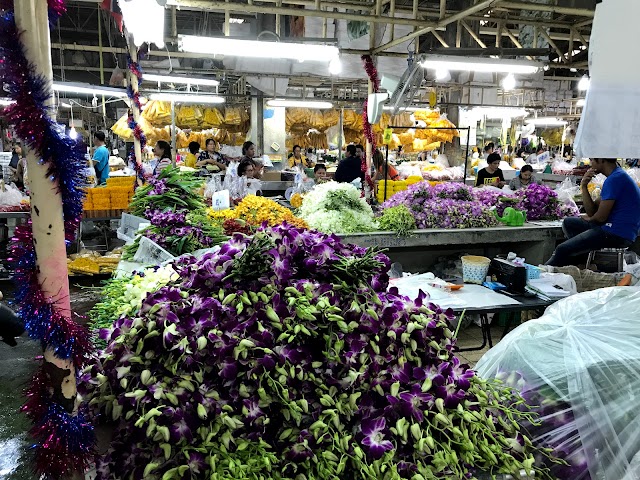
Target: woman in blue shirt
611,222
100,158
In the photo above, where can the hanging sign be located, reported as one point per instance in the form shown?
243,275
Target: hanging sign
387,135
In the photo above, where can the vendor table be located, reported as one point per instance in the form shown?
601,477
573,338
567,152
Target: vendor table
524,304
418,251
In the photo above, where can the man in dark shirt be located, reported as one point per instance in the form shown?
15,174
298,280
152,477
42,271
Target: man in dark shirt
350,168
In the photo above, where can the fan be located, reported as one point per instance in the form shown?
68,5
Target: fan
400,91
408,86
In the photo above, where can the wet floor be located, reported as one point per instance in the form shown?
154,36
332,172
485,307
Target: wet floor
17,364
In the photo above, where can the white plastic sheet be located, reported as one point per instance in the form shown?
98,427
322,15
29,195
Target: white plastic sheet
580,363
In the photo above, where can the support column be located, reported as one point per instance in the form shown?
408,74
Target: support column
257,119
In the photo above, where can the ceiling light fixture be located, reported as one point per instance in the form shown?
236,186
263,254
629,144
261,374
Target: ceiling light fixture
144,20
546,121
581,102
491,65
152,77
186,98
441,73
5,102
64,105
73,134
500,112
583,84
258,49
335,66
299,103
509,82
86,89
388,108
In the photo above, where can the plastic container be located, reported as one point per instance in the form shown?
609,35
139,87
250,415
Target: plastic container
150,253
533,272
475,269
129,227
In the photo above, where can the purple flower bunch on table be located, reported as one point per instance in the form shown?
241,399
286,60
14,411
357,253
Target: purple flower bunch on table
541,203
446,205
285,355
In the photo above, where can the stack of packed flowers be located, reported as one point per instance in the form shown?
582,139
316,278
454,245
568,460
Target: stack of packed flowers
337,208
541,203
177,214
251,213
123,296
284,356
446,205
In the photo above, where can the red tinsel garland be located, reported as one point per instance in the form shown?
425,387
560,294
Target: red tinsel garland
372,73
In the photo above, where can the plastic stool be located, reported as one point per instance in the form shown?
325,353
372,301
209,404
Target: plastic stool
618,253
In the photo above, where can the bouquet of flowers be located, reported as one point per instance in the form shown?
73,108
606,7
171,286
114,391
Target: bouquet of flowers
251,213
540,203
446,205
177,214
337,208
284,356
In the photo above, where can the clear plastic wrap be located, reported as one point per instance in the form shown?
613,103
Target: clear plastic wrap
580,363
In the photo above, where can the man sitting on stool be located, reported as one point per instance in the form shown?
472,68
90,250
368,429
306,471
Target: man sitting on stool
612,222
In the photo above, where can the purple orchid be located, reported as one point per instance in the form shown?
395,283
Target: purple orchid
374,431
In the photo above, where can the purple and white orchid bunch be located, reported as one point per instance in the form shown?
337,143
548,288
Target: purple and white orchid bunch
446,205
284,356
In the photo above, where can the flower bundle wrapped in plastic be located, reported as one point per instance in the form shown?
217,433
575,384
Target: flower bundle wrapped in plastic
177,214
284,356
540,203
124,296
446,205
579,365
337,208
252,212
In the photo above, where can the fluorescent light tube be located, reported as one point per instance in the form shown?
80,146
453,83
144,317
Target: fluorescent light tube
448,62
86,89
182,80
299,103
258,49
187,98
546,121
388,108
581,102
500,112
5,102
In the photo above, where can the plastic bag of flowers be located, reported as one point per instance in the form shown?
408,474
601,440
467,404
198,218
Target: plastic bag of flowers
337,208
579,363
285,356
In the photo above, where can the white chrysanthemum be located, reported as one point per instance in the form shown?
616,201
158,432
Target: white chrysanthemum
337,208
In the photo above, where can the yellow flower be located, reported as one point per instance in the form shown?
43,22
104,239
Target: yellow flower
257,210
296,200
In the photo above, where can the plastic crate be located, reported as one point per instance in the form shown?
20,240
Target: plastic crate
150,253
533,272
129,226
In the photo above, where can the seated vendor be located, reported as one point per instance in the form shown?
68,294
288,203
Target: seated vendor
491,175
379,166
320,173
525,179
611,222
210,157
299,160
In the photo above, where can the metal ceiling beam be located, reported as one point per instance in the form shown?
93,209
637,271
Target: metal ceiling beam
442,23
578,12
544,33
473,34
440,39
235,7
553,35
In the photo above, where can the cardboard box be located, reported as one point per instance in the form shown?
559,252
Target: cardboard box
271,176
